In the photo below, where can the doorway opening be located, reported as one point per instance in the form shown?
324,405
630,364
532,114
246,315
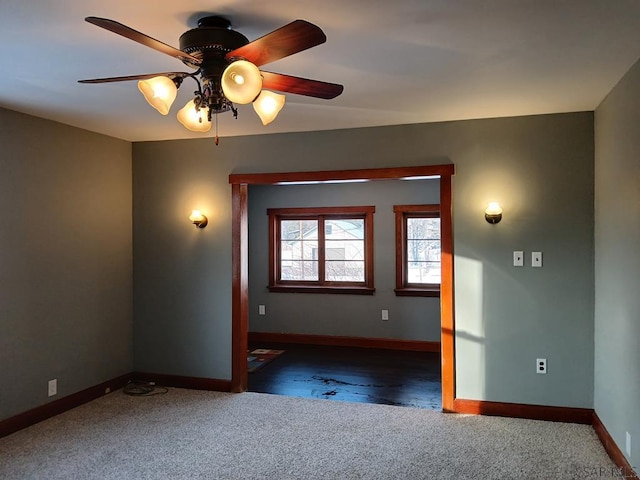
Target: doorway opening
240,183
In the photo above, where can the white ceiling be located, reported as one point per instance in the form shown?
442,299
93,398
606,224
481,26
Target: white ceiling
407,61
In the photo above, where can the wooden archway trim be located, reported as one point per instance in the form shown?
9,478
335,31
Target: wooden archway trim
240,260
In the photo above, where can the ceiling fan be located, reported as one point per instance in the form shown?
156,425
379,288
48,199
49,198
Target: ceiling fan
227,71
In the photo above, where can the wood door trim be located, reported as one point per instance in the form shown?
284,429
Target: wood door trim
240,288
394,173
447,316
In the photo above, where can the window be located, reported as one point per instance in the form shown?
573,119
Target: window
321,250
417,250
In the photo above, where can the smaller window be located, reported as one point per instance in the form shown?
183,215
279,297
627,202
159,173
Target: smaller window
418,250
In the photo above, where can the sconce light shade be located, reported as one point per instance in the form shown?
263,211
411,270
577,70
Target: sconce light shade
159,92
493,213
198,219
268,105
194,119
241,82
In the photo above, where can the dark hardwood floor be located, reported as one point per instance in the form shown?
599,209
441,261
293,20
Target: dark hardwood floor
363,375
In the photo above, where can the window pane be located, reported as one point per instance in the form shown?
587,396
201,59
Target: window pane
344,271
423,272
298,229
423,228
423,250
344,250
334,253
344,229
298,250
299,270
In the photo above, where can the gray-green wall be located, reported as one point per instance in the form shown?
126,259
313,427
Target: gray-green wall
66,252
65,260
410,318
540,168
617,262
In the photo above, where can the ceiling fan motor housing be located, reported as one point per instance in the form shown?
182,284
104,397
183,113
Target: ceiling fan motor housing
211,41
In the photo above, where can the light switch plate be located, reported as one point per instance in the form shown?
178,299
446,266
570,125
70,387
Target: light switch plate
518,258
536,259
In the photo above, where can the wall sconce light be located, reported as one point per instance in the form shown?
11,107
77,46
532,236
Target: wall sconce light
198,219
493,213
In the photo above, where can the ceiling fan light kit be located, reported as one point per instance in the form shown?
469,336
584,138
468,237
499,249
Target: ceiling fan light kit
160,92
241,82
227,70
194,118
268,105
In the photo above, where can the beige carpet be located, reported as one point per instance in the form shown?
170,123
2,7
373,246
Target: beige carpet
194,434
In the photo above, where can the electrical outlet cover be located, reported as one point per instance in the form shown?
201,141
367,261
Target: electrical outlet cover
53,387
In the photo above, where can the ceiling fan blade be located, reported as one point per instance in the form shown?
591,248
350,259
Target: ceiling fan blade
144,76
292,38
300,86
141,38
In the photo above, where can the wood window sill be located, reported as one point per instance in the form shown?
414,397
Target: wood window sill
350,290
417,292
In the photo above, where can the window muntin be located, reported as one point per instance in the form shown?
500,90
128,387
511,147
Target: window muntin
321,248
418,250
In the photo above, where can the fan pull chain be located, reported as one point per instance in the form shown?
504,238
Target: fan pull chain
217,138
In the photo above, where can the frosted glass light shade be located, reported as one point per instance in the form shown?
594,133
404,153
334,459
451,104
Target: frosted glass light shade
159,92
198,218
493,209
241,82
493,213
268,105
192,119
